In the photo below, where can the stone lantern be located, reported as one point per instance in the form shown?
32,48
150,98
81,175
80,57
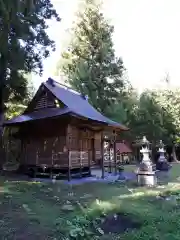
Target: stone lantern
162,164
146,176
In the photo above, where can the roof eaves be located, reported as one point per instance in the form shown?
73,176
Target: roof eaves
28,118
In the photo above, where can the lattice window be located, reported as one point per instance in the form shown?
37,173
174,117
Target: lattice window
118,157
45,101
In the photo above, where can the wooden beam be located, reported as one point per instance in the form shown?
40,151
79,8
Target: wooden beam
69,166
109,162
81,161
93,150
102,155
115,158
89,161
52,164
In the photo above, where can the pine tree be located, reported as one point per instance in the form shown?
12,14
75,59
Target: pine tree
90,62
24,44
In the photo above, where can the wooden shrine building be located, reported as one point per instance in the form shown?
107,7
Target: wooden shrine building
60,132
123,152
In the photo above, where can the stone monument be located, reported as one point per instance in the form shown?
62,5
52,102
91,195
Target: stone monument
162,163
146,176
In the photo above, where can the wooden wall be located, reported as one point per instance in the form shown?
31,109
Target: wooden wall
57,144
79,143
44,143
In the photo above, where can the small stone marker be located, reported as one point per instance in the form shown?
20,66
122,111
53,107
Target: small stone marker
85,196
67,207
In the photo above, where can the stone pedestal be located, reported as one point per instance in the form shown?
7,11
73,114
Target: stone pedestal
146,176
163,166
163,176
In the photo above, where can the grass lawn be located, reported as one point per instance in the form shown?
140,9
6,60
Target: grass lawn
54,211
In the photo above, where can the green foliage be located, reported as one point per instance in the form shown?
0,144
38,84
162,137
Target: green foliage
145,115
24,44
169,100
39,205
79,228
14,109
153,120
92,68
90,62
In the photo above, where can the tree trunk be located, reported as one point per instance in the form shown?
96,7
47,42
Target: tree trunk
1,101
174,154
1,122
3,67
1,125
3,64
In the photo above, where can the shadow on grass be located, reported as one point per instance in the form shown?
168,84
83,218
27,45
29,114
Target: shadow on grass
159,219
37,207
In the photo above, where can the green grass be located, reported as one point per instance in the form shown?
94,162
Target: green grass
36,211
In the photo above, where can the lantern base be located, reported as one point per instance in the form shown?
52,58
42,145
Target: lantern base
146,178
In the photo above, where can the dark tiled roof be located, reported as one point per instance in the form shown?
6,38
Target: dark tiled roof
123,148
41,114
75,103
79,104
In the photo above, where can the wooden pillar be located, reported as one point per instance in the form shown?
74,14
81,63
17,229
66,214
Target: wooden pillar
102,154
115,157
109,150
122,159
69,166
37,162
92,154
68,149
80,156
93,150
81,163
21,155
52,162
89,160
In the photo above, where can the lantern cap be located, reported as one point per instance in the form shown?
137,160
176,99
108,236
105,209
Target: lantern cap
161,144
144,140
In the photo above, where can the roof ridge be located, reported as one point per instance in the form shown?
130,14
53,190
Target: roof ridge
65,86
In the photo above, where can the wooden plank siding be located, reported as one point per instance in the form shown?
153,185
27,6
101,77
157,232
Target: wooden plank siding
42,147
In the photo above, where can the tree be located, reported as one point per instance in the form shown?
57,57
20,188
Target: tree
24,44
89,62
154,121
124,110
169,99
15,108
144,115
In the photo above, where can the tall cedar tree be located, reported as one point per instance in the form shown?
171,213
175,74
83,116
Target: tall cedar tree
90,63
24,44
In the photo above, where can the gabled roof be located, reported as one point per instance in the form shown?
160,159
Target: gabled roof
74,102
78,103
123,148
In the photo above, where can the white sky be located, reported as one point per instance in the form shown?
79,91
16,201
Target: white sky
147,37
